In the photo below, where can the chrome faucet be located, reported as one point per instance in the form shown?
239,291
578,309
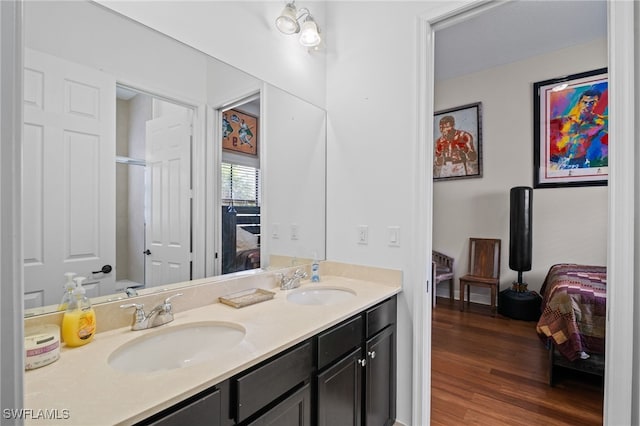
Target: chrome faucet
130,291
292,281
161,314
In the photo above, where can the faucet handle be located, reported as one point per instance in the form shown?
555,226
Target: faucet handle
168,299
138,306
138,316
166,306
299,273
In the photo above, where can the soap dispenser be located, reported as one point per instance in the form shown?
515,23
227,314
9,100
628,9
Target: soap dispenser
79,320
67,297
315,269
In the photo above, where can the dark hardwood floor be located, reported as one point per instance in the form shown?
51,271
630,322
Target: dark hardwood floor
494,371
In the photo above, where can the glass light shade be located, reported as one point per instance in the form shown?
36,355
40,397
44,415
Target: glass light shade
287,22
309,36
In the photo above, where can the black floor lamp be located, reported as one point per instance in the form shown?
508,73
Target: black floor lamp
517,302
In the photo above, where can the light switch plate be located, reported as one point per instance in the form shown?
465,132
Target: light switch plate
363,234
394,236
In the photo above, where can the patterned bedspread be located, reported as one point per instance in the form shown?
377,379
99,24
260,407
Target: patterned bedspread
574,309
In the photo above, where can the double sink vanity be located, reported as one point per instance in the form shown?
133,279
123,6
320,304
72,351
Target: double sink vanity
323,353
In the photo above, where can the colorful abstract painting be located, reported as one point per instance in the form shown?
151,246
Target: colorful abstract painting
571,130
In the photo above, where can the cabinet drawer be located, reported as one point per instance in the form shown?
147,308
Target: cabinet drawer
203,410
265,384
338,341
380,316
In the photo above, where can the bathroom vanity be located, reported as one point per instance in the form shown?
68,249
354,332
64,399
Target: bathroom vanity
298,361
344,375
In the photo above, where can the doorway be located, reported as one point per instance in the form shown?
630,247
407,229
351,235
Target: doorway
153,185
240,186
618,406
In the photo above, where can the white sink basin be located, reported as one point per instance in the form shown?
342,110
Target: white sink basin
177,347
320,295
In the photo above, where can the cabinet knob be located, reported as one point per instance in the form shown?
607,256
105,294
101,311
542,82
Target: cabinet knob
372,354
362,362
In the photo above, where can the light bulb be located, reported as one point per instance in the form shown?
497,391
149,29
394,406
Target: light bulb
287,22
309,36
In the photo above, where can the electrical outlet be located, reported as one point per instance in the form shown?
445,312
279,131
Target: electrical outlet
275,231
363,234
294,231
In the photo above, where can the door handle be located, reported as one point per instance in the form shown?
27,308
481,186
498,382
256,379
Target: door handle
147,252
362,362
372,354
105,270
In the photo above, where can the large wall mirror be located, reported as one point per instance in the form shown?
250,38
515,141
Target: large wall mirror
136,149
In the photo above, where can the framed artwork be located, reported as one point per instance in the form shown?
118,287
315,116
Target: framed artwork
239,132
570,133
457,148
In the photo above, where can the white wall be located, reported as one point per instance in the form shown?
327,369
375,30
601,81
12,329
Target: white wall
241,33
635,398
372,101
11,292
295,133
62,29
569,224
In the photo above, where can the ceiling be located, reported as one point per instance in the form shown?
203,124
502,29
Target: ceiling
514,31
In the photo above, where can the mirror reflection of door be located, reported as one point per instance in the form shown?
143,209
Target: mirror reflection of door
240,186
153,202
68,178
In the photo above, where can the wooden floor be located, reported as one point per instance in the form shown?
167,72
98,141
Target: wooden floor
494,371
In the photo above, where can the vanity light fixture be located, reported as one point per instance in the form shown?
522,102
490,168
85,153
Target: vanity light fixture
289,23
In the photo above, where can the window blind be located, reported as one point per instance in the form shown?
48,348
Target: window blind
240,185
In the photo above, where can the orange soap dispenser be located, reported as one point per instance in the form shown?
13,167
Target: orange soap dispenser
79,320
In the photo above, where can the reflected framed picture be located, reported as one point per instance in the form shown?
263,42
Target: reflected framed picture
457,148
239,132
570,130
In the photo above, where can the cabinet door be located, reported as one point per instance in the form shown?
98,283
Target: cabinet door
380,388
293,411
340,392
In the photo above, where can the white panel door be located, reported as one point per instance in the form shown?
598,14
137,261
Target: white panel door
68,177
168,204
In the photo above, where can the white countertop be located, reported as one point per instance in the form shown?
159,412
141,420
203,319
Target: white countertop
82,389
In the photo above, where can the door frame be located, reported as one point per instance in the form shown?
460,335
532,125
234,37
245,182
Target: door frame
213,159
198,166
618,384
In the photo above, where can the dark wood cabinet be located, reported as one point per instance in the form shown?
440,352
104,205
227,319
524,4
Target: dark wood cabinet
344,376
263,385
204,409
358,388
380,383
339,392
294,410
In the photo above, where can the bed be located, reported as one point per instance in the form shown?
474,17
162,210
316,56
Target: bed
240,238
573,319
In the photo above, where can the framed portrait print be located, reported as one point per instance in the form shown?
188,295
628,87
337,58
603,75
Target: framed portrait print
457,148
571,138
239,132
